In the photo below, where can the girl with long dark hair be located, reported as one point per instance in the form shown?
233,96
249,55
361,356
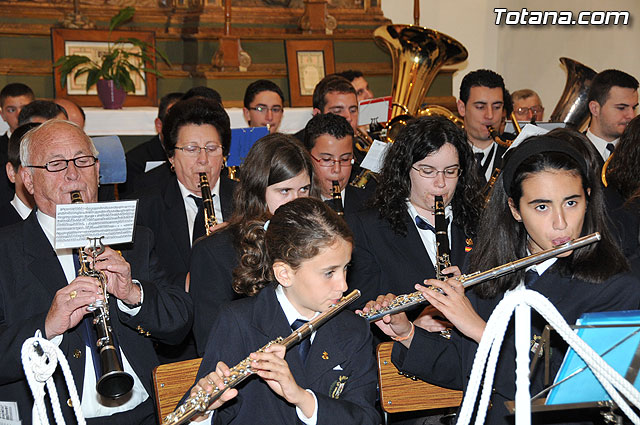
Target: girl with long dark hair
546,196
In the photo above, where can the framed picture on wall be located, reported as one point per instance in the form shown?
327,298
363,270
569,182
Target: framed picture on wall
94,44
308,62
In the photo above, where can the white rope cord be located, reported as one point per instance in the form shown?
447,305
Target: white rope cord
39,368
492,339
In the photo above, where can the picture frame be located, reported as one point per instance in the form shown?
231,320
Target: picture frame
91,43
308,62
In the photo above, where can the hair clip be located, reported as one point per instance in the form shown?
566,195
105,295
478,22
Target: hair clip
266,225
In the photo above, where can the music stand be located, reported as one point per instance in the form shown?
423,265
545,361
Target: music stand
615,336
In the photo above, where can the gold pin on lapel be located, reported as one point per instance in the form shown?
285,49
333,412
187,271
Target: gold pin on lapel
325,355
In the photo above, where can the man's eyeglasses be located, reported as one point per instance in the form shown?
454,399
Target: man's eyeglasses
192,150
62,164
536,109
431,173
264,108
330,162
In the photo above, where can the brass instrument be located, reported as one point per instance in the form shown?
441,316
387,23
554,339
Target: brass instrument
516,124
603,173
573,106
336,196
432,110
408,301
198,403
488,188
114,382
496,137
207,204
417,53
362,140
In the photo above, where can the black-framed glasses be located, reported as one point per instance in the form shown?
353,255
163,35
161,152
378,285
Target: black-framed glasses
330,162
264,108
431,173
193,150
56,165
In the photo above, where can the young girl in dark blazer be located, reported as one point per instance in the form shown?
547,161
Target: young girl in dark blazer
295,269
545,197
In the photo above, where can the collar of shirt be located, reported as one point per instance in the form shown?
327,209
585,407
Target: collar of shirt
485,151
22,209
601,144
290,311
188,200
538,268
448,213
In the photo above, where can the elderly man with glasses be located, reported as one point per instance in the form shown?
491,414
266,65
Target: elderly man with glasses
41,293
527,105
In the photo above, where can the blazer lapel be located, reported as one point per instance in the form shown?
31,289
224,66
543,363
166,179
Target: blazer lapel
226,197
41,258
458,245
413,248
176,219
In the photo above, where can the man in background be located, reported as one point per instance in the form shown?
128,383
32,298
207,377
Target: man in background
527,105
263,105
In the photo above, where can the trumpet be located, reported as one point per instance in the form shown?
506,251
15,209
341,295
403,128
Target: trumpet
198,403
207,204
409,301
114,381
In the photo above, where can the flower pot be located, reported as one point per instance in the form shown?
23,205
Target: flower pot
111,96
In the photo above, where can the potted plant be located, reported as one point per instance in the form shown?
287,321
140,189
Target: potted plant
112,75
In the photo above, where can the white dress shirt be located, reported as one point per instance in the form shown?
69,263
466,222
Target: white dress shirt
601,144
22,209
92,404
191,208
427,236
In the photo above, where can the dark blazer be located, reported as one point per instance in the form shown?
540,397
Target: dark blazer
355,199
212,262
161,208
30,275
8,214
341,353
448,362
384,261
137,159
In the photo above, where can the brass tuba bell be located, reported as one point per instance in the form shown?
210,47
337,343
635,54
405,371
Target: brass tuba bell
417,53
573,106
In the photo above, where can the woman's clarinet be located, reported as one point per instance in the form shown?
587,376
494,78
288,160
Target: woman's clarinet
200,402
443,252
408,301
207,204
114,381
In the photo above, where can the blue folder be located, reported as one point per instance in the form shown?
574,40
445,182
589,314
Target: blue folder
241,141
620,343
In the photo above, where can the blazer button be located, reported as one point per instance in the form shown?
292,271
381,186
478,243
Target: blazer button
147,334
77,353
69,403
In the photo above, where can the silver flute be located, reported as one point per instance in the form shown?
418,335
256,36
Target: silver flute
409,301
200,402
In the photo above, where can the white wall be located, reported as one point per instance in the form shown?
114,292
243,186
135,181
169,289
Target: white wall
527,56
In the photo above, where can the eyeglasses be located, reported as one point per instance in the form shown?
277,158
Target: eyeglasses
62,164
330,162
192,150
431,173
264,108
536,109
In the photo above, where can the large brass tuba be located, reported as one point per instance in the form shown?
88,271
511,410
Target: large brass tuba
573,107
417,53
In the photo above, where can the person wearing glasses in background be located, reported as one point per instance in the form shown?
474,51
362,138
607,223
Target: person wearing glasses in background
395,244
329,140
196,137
263,105
527,105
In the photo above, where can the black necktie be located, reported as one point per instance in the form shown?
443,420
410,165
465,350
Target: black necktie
305,344
479,157
424,224
611,147
530,278
198,224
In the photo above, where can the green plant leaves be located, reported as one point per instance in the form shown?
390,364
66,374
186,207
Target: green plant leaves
124,15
